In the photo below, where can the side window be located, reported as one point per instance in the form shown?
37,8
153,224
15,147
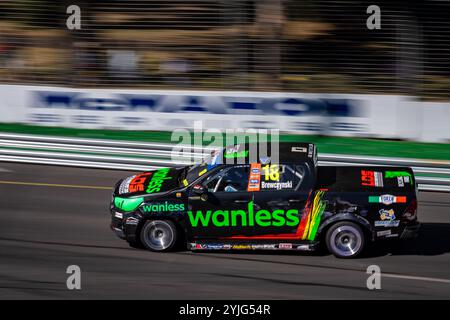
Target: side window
232,180
279,177
303,174
211,182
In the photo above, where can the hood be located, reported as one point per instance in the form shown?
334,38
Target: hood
151,182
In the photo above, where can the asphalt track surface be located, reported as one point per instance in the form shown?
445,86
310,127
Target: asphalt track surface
53,217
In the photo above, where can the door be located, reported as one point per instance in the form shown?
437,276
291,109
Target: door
283,195
224,211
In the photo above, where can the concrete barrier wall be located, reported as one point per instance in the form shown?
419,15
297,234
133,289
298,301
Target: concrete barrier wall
382,116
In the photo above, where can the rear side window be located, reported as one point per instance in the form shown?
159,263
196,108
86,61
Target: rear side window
398,179
280,177
369,179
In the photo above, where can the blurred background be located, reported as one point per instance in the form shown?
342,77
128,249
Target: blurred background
264,45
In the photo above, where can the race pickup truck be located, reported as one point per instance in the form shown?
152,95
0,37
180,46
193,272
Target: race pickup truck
229,202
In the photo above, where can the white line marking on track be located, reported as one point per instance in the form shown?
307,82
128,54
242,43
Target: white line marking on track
4,170
399,276
39,184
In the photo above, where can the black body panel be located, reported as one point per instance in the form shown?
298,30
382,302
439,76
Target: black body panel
288,204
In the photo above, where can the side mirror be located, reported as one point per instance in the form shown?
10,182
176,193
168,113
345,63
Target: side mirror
204,197
198,190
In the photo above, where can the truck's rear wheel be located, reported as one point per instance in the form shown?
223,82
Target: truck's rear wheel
159,235
345,240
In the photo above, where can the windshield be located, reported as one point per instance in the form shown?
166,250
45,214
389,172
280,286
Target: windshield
193,172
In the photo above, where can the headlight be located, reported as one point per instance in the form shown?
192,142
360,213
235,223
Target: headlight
127,204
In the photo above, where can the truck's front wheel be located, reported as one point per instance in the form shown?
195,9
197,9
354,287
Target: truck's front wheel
345,240
159,235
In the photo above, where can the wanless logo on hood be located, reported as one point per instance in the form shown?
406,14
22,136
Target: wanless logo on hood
137,183
157,180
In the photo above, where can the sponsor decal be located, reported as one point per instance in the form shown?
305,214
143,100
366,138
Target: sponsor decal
131,221
137,184
387,214
299,149
395,174
163,207
241,218
241,154
118,215
383,233
400,182
310,150
285,246
255,177
213,246
387,219
387,199
157,180
241,246
178,194
371,178
264,246
276,185
394,235
303,247
234,152
233,149
387,224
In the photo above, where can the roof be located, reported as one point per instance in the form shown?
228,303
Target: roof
265,153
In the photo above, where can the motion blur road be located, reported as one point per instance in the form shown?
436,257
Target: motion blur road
53,217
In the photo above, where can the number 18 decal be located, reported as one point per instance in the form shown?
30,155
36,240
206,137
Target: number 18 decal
271,172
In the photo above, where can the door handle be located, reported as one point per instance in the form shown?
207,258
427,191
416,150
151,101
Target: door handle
294,200
241,201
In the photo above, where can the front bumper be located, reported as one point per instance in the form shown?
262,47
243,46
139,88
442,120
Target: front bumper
118,231
411,231
124,225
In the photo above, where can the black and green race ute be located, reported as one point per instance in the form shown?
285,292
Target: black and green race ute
288,202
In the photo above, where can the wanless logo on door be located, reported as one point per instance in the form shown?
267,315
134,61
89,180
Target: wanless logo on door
242,218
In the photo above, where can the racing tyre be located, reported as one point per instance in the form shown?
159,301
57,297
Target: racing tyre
159,235
345,240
